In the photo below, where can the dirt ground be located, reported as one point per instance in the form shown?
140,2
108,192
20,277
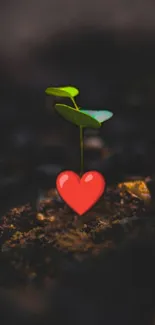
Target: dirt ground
52,260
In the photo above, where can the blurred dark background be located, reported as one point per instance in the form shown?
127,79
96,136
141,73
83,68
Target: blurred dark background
107,50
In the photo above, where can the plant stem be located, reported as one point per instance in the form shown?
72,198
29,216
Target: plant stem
81,151
81,142
76,107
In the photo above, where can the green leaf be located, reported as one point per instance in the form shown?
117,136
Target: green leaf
100,116
67,91
71,90
77,117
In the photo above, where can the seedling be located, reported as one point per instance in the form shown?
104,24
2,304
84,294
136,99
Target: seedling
80,117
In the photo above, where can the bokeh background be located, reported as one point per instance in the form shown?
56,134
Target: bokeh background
106,49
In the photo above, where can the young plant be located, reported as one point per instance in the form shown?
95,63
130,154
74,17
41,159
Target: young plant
80,117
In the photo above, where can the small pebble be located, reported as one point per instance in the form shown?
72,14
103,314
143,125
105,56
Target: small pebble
52,218
40,217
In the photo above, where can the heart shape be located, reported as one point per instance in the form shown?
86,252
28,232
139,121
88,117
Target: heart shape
80,193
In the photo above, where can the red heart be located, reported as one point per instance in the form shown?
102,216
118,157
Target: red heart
80,194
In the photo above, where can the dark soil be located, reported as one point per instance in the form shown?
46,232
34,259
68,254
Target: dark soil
59,268
42,242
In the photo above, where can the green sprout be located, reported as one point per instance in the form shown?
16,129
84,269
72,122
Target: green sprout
76,115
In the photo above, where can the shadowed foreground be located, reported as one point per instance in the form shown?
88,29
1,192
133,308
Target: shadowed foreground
58,269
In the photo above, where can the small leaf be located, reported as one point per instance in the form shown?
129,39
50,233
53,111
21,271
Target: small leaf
100,116
77,117
67,91
71,90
